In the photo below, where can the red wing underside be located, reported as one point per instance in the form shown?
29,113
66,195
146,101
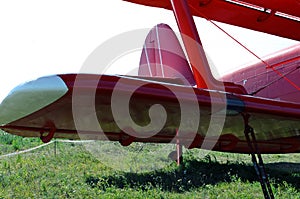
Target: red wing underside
276,17
276,123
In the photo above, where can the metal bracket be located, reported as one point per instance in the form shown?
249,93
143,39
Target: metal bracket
126,140
52,129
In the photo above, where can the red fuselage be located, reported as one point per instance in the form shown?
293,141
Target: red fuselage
280,82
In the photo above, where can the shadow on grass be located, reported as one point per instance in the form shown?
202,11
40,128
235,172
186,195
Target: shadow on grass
193,174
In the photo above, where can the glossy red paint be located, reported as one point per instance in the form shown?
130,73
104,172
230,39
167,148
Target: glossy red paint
193,45
260,80
163,56
157,53
269,16
276,123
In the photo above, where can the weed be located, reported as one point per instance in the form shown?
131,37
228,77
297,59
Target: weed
72,172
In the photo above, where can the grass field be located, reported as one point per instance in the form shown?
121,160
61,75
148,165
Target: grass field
72,172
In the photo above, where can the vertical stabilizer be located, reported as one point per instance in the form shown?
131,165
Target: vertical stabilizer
162,56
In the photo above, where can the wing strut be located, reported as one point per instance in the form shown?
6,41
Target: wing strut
257,160
193,46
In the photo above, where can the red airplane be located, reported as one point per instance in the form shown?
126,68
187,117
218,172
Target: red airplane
254,110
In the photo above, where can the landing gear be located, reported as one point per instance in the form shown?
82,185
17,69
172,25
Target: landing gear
177,155
257,159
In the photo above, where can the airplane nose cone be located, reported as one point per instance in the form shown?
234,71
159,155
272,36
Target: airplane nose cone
30,97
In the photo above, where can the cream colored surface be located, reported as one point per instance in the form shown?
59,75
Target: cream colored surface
30,97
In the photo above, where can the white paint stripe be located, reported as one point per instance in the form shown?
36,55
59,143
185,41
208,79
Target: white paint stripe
148,62
159,52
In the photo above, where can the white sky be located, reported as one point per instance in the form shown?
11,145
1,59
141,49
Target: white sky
43,37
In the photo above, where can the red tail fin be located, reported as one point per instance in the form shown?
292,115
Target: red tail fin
162,56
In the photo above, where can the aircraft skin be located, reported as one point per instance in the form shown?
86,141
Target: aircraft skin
260,80
45,107
274,17
276,122
275,117
254,110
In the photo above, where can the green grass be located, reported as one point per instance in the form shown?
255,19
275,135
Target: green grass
10,143
74,173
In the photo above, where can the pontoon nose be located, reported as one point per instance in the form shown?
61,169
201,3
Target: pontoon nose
30,97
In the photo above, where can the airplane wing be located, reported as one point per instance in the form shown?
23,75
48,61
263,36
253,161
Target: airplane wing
276,17
52,109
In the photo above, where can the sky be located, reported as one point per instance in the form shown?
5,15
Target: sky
43,37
